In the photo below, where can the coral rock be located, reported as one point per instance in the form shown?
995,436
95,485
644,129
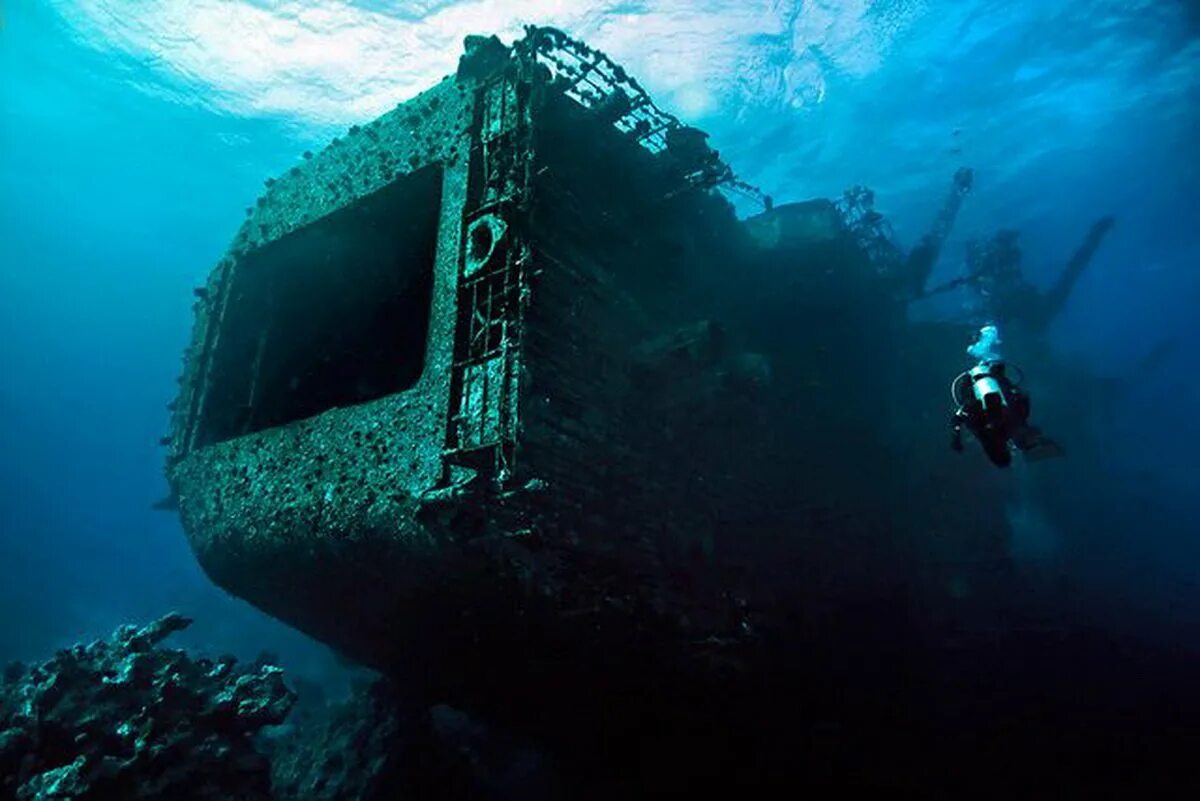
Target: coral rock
127,718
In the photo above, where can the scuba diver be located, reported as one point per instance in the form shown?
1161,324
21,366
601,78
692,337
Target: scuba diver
994,408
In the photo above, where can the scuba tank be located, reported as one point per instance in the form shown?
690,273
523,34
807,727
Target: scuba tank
986,384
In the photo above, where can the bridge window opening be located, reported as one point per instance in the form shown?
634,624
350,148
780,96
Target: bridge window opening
333,314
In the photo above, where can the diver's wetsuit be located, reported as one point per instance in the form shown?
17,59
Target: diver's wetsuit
997,418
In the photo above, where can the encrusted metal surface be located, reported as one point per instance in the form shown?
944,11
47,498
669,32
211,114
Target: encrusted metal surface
610,421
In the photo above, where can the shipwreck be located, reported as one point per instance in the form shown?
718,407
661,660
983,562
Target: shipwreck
499,382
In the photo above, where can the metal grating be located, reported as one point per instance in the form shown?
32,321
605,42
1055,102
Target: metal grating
595,81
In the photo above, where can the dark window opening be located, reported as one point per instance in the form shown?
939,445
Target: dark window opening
334,314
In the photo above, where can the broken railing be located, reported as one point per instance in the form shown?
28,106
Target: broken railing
596,82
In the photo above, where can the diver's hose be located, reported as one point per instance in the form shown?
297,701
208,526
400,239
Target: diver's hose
954,387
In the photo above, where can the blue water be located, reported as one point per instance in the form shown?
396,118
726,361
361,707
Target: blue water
134,134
